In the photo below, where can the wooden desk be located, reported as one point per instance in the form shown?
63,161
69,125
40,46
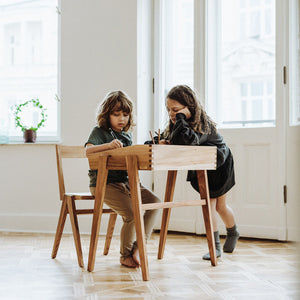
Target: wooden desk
153,157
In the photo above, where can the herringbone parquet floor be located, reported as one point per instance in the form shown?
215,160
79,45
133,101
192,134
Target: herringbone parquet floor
258,269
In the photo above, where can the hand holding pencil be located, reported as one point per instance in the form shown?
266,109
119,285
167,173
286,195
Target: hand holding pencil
159,140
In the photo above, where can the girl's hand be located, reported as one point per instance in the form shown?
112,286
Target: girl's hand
164,142
185,111
114,144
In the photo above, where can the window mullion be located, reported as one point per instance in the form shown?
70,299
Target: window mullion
158,63
200,49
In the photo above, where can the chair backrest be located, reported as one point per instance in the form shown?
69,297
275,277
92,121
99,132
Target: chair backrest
63,151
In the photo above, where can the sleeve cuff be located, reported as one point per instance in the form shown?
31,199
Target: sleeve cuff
180,116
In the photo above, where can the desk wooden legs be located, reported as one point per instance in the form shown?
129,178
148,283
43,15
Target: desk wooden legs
204,194
135,191
99,199
170,186
134,182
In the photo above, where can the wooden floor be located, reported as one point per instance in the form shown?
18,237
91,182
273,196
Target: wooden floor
258,269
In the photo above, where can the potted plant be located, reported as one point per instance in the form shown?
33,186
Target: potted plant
29,132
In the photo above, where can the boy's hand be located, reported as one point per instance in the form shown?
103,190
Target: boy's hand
114,144
185,111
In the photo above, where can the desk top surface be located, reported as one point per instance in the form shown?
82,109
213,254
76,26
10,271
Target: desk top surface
160,157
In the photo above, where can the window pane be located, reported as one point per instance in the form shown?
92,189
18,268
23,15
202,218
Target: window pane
257,108
268,24
28,62
244,91
178,43
257,88
245,64
255,27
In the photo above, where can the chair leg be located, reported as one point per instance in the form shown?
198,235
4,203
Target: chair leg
110,231
60,227
75,229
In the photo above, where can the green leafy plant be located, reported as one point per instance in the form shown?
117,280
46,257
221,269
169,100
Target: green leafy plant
36,104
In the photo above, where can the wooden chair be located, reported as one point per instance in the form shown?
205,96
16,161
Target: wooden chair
68,205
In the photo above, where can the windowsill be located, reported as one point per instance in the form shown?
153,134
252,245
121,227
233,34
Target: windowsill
36,143
17,140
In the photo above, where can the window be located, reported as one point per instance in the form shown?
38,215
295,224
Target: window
242,70
255,18
238,81
178,42
256,104
28,63
176,49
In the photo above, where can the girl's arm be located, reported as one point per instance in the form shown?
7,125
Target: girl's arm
182,134
91,148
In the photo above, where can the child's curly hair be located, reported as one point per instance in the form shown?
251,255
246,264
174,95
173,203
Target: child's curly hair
199,120
114,101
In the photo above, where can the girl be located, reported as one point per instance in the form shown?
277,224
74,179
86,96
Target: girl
190,125
114,119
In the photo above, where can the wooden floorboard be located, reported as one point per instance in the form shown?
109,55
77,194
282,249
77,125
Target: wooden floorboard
258,269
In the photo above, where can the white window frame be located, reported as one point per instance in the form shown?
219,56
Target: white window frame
160,114
159,75
202,85
294,74
42,137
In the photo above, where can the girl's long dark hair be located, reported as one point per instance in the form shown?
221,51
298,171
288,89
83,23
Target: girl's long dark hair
199,121
114,101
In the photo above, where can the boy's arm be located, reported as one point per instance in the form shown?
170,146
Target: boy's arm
91,148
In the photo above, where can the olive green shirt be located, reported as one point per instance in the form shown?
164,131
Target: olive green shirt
100,136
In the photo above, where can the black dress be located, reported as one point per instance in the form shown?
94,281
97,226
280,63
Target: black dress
220,180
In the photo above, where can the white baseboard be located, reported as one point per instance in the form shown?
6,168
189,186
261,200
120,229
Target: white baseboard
48,223
262,232
293,234
179,225
182,225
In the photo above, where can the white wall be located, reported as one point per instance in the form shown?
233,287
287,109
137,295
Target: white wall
99,53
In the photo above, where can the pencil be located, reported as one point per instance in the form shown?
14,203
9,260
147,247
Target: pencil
151,137
158,136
